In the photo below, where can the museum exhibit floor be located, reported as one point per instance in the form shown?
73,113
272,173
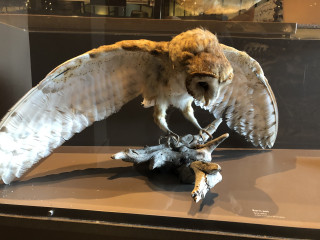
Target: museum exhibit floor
273,188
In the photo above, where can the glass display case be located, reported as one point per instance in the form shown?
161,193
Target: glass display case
79,191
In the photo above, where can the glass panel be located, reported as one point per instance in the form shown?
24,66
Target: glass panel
276,187
302,12
112,8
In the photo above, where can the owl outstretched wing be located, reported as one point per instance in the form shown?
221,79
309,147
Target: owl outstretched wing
248,103
77,93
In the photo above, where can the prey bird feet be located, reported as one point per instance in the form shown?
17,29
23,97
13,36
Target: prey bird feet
206,177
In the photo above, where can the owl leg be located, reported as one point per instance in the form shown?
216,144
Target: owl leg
188,113
159,116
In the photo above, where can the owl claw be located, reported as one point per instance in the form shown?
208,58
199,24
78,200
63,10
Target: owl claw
171,137
175,137
201,133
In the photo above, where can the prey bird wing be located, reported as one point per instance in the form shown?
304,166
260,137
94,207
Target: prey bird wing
247,103
77,93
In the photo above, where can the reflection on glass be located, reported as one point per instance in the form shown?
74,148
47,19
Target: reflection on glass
196,7
113,8
290,11
237,10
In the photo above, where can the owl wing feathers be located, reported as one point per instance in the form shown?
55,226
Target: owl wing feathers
248,103
77,93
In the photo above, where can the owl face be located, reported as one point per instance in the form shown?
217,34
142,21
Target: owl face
208,73
206,87
199,54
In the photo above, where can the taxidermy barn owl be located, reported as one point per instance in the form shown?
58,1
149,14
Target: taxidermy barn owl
192,67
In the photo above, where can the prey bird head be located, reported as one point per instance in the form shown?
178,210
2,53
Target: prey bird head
208,70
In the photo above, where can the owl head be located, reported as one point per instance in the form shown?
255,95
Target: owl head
199,53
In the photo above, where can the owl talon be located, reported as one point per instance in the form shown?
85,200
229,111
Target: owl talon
201,133
171,137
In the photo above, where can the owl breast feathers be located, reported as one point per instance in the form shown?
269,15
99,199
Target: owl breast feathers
192,67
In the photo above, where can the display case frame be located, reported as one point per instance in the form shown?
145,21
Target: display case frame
31,34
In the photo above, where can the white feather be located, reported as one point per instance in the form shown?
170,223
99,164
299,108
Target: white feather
82,90
255,115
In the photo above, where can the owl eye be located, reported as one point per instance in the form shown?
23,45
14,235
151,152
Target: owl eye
204,85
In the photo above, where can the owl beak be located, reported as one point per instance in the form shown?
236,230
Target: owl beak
211,97
207,101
